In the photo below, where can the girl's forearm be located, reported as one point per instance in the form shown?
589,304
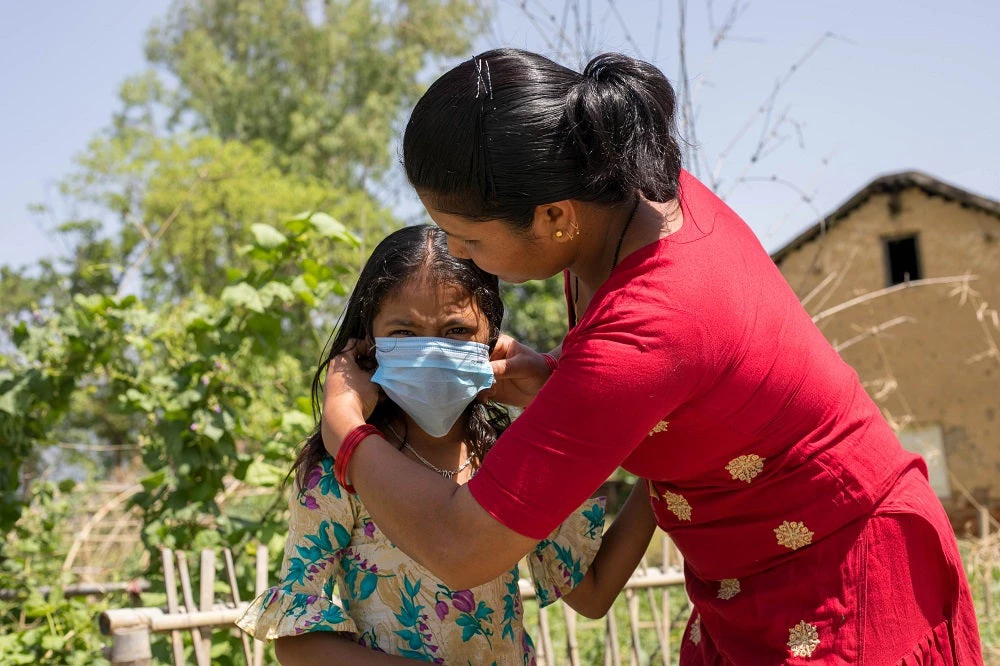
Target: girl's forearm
621,549
323,647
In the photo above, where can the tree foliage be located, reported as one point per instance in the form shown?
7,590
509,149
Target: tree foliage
213,229
321,82
536,312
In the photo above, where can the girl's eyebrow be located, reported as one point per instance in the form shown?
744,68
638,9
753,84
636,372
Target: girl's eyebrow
400,322
458,321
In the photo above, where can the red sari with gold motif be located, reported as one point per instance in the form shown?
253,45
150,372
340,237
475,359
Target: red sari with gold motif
809,534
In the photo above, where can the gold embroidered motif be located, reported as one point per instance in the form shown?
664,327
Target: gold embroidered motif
728,588
745,468
803,639
677,505
695,634
793,535
658,428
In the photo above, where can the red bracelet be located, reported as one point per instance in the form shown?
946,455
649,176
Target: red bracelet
551,361
346,450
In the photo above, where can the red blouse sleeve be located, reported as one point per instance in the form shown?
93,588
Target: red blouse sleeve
621,372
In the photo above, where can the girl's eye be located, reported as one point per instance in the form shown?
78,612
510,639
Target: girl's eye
400,333
460,330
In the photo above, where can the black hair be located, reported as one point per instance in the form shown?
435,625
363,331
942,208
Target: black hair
509,130
402,256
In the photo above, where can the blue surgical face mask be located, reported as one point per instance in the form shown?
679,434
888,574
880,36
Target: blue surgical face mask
433,380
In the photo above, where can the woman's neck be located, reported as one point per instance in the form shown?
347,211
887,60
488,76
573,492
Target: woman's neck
601,229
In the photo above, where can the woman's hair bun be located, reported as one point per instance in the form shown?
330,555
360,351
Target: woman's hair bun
620,119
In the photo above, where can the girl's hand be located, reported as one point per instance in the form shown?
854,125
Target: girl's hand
520,372
349,396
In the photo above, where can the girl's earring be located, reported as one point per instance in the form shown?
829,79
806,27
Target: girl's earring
559,233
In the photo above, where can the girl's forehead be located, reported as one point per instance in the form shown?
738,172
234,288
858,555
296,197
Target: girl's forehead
430,293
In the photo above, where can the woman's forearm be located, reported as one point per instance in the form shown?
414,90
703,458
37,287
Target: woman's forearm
433,520
323,647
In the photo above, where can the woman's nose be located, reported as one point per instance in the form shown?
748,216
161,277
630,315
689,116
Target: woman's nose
457,248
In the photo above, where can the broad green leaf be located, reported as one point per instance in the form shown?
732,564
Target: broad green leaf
296,420
213,432
273,290
243,295
154,480
264,474
267,236
329,227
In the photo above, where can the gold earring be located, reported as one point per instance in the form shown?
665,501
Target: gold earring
559,233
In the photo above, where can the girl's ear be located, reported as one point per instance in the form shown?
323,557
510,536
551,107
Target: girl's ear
367,360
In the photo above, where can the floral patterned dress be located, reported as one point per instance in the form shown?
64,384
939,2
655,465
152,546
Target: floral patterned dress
388,602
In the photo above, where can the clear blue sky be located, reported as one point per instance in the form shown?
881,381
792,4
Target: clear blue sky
915,85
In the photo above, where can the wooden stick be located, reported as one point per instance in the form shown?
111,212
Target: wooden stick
546,641
119,620
200,656
170,583
95,519
878,293
569,615
633,621
235,590
659,624
261,585
84,589
612,656
656,577
206,591
656,624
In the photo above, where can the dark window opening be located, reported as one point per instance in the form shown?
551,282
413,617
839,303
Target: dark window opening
903,256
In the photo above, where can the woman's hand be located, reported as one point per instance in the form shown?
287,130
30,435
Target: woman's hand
349,396
520,372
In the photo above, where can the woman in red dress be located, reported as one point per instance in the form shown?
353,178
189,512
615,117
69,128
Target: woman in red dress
809,534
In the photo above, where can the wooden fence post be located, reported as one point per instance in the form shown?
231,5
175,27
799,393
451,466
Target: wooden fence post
206,592
201,656
235,590
261,585
572,640
131,648
170,583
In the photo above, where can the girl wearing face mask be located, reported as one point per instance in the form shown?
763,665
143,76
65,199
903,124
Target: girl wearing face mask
430,322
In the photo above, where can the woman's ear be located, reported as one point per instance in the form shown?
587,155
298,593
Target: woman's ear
556,221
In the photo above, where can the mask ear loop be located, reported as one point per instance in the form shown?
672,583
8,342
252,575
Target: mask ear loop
367,360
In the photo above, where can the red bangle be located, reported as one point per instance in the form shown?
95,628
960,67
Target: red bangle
551,361
346,450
